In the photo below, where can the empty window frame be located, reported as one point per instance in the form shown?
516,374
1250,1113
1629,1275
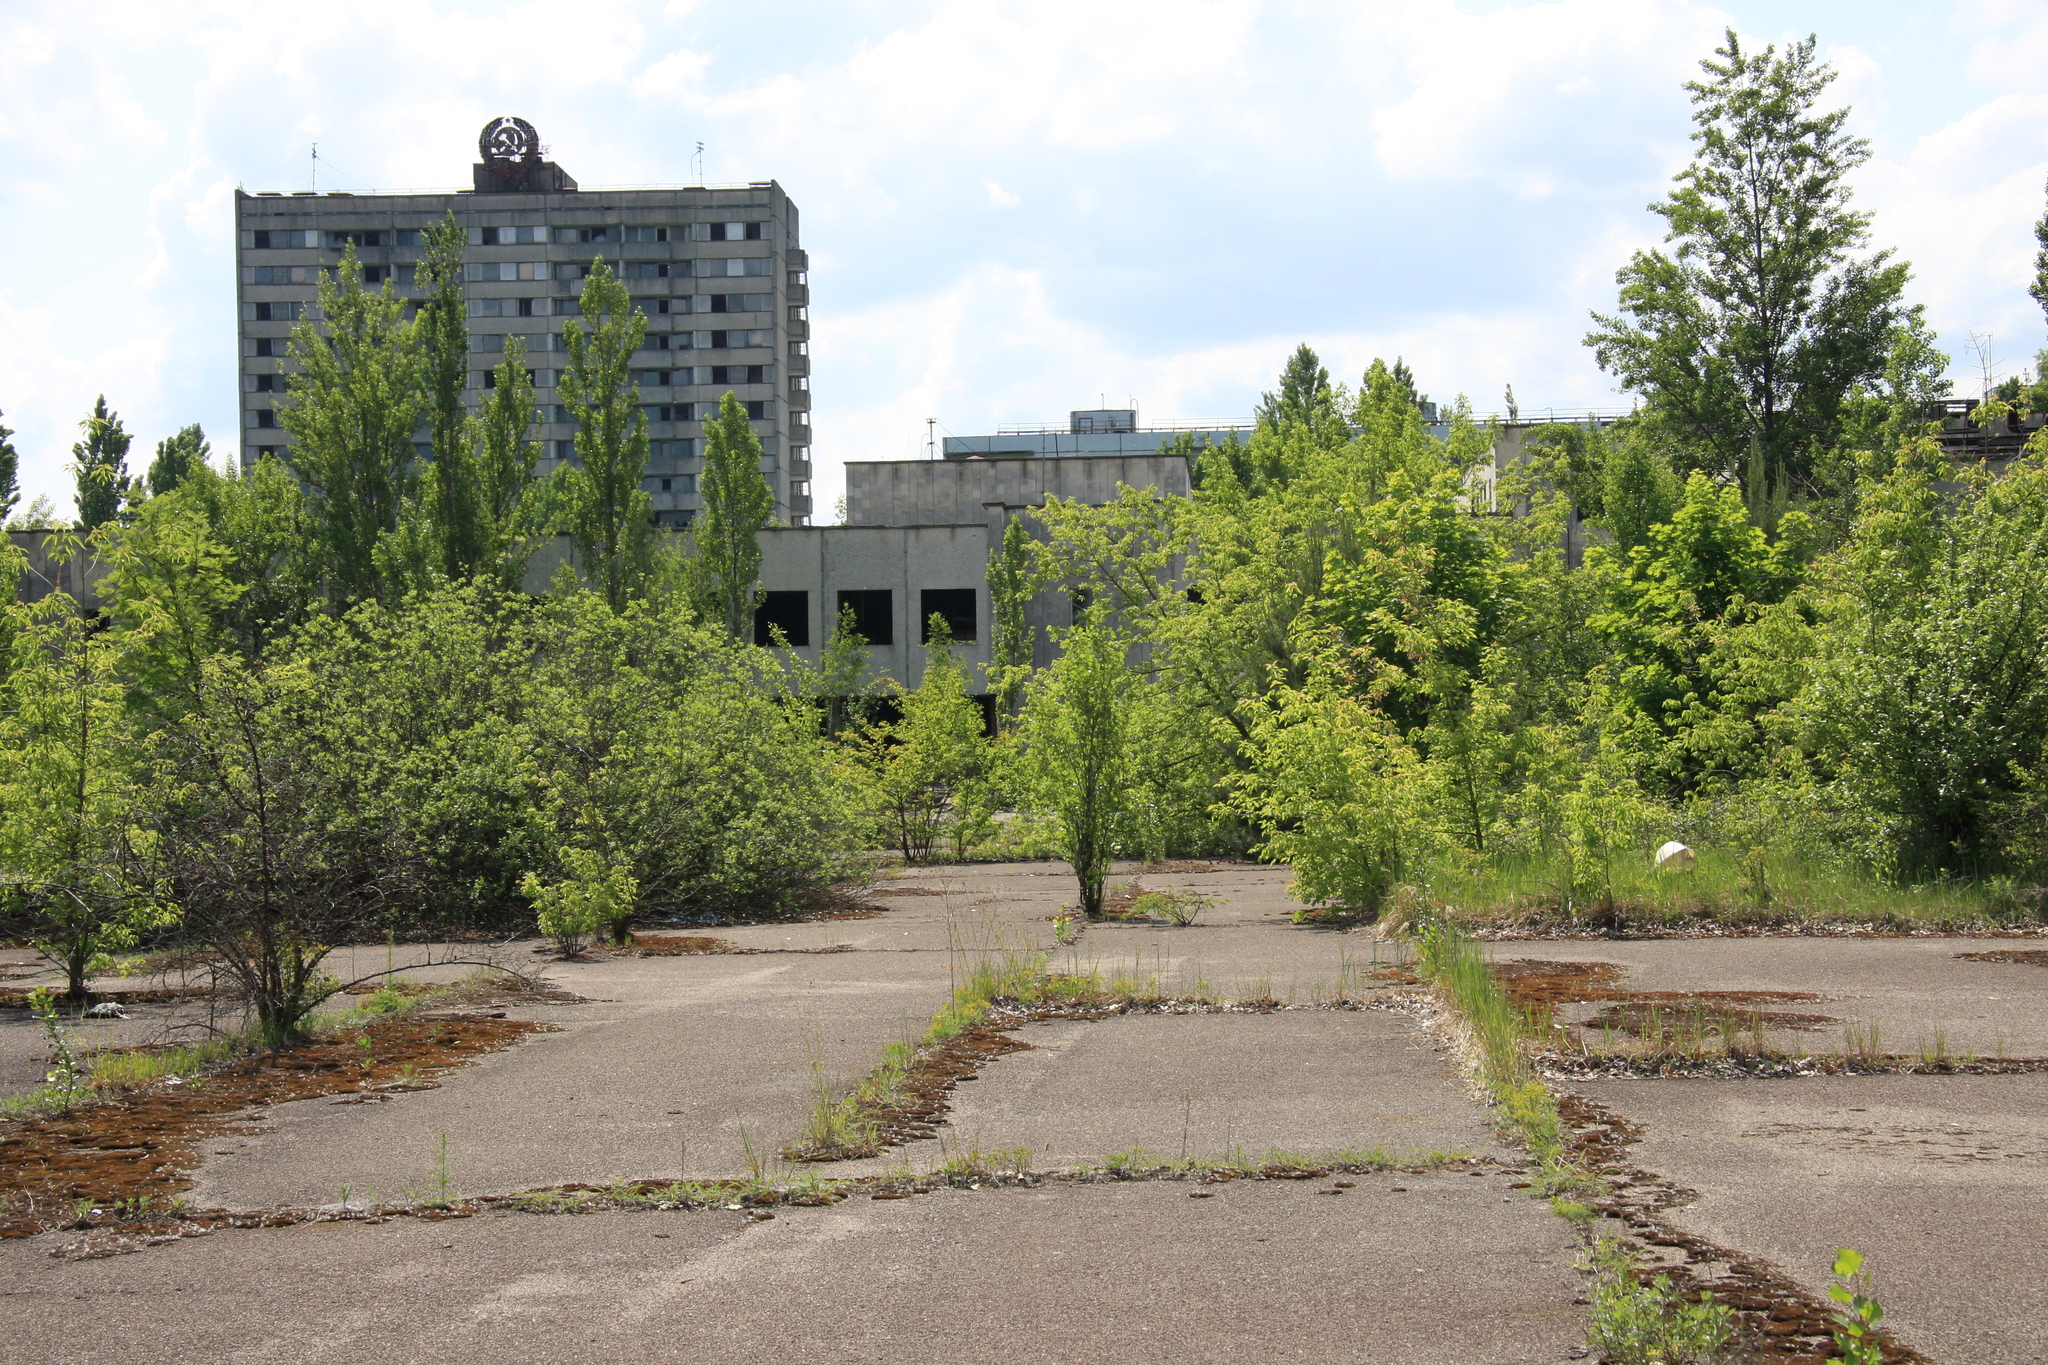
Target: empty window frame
275,239
610,233
508,236
654,270
646,234
953,605
873,613
675,450
789,612
731,232
735,303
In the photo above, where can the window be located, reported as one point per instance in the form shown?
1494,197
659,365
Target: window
655,270
800,383
788,612
735,338
475,271
654,307
283,274
561,413
337,240
274,312
799,349
646,234
733,232
675,520
757,409
506,236
735,265
799,314
275,239
739,303
271,346
491,378
667,412
955,605
655,379
799,488
508,308
263,417
657,341
269,383
796,278
675,450
588,234
739,374
406,237
872,613
376,274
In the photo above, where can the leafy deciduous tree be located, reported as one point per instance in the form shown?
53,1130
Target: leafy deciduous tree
736,503
607,512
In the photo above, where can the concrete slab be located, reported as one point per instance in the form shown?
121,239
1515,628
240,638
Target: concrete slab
1911,987
671,1053
1209,1085
1940,1181
1454,1272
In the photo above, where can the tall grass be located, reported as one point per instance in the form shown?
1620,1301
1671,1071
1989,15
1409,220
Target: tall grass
1499,1027
1749,887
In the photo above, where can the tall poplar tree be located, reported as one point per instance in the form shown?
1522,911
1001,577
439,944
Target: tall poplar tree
452,491
608,513
176,457
736,503
1765,319
1305,397
100,463
511,506
354,404
10,474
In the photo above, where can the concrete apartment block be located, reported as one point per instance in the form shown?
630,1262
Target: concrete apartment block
717,270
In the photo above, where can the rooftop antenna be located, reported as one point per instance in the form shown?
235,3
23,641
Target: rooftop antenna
316,168
698,160
930,438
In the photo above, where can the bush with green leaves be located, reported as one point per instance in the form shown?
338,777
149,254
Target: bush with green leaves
1638,1321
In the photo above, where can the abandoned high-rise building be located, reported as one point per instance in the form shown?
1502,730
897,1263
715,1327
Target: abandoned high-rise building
716,269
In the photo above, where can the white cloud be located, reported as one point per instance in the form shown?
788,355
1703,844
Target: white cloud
1011,206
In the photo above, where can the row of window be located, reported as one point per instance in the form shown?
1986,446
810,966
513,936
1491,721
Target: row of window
313,239
874,614
710,267
707,374
294,310
671,483
614,232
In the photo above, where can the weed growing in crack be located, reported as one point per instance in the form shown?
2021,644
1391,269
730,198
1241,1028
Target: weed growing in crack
1855,1334
1648,1322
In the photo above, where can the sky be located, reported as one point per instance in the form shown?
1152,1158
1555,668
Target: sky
1011,209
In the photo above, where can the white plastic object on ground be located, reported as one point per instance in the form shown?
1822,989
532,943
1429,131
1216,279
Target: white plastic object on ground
1675,857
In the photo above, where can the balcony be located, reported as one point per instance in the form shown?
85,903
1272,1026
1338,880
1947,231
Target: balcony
800,504
799,469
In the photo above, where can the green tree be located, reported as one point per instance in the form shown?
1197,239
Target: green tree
100,463
1075,750
608,513
514,508
1333,789
1637,489
454,487
355,401
1754,332
176,457
2039,288
1929,704
736,503
1009,594
1304,397
72,853
926,763
10,475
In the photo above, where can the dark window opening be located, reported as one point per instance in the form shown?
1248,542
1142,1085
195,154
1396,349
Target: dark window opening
789,612
874,617
757,409
955,605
